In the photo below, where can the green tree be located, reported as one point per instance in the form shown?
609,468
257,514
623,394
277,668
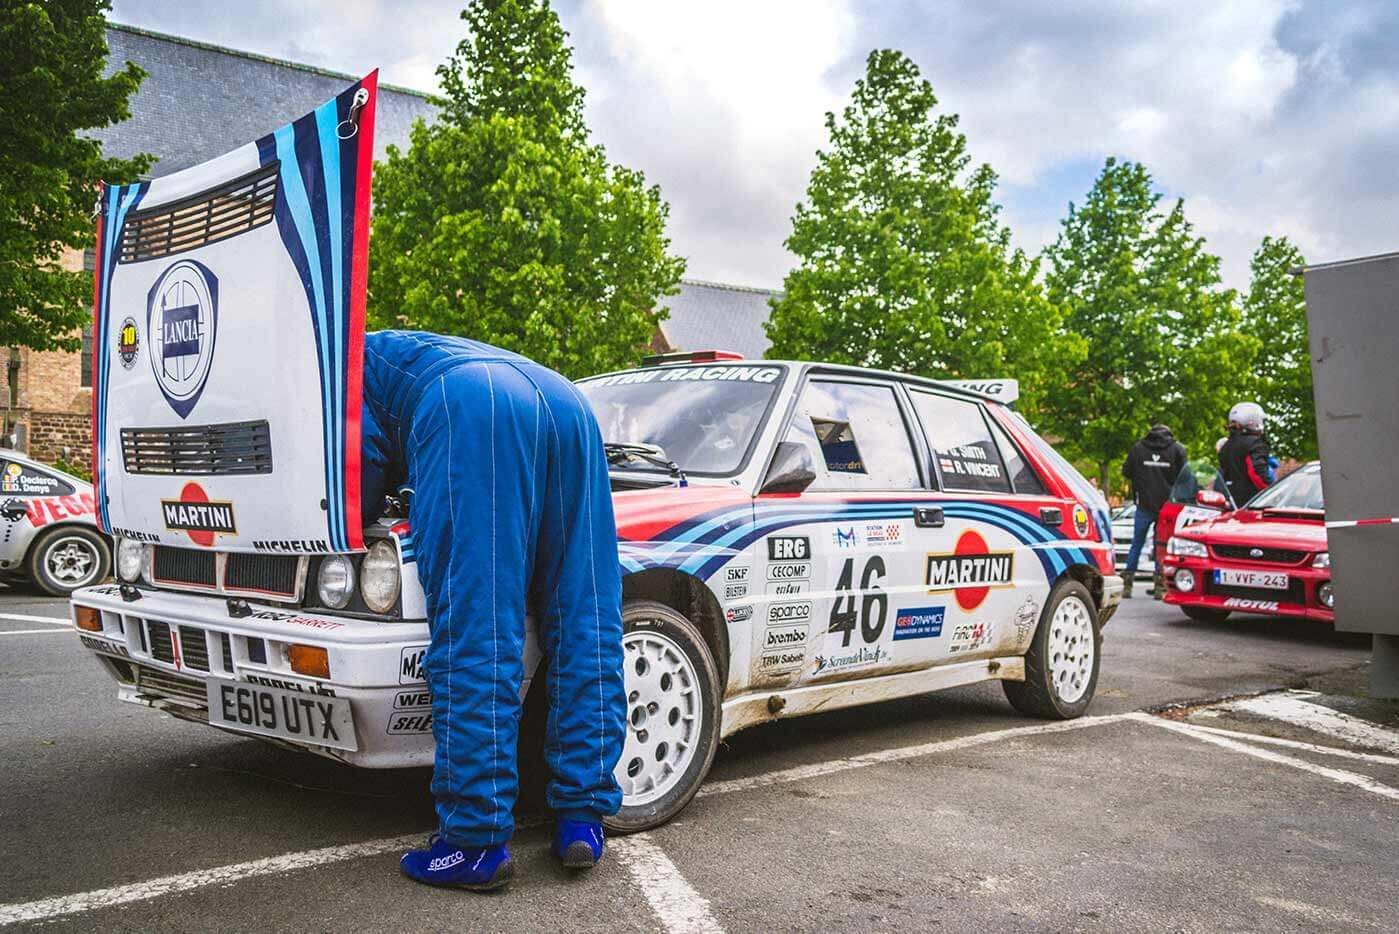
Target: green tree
51,90
903,261
504,223
1275,311
1160,338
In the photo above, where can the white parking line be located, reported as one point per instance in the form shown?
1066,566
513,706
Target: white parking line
24,618
1292,709
1297,744
679,908
32,632
1340,776
816,769
222,875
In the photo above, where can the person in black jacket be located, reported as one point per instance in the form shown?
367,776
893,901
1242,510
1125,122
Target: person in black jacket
1243,460
1152,465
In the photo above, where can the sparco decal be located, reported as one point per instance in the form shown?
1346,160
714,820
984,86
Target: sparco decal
182,319
194,514
971,570
789,612
789,548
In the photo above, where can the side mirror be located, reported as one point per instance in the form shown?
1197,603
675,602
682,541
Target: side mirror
791,471
1212,499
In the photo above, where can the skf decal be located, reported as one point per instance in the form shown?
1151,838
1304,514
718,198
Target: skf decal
971,570
182,319
198,517
789,548
128,343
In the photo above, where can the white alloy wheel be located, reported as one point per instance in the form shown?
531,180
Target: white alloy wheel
1070,649
663,716
72,561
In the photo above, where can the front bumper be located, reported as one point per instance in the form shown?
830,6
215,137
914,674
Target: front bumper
165,648
1300,601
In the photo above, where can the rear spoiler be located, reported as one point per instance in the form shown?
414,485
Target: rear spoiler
1004,391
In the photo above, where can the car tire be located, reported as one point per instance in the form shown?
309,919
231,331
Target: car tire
1061,667
63,559
1205,614
673,698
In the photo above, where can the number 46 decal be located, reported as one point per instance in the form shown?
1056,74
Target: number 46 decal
874,605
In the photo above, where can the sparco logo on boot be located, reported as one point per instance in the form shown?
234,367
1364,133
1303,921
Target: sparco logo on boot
182,317
198,517
971,570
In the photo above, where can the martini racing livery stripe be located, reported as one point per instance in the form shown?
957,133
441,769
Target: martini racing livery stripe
702,545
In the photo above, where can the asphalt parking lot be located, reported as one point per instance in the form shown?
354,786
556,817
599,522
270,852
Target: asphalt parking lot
948,812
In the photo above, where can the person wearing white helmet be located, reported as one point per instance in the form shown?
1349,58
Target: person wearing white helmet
1243,460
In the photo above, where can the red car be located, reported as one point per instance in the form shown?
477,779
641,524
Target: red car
1267,557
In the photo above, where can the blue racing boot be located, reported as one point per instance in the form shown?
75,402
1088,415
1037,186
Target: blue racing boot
477,868
578,843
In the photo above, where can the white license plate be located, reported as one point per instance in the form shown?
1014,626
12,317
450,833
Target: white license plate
292,715
1268,580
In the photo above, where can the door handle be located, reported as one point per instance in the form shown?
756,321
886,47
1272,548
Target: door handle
1051,516
928,517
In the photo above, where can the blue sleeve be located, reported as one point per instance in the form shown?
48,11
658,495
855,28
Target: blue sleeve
376,467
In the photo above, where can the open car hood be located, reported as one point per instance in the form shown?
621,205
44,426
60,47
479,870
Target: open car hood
228,340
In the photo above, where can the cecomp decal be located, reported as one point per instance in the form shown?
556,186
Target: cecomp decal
182,314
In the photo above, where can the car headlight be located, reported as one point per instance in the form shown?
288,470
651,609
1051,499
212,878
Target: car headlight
131,559
1186,548
335,582
1322,560
378,577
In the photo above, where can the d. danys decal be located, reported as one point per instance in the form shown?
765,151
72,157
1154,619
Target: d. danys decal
971,570
128,343
182,320
197,517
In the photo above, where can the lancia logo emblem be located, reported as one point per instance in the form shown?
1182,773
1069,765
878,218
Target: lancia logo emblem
182,313
1255,552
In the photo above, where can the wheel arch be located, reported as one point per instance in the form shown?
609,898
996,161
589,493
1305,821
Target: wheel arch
1090,577
690,597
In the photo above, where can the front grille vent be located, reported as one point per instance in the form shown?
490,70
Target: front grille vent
231,209
161,647
1293,594
1270,555
234,448
157,682
264,574
194,648
226,644
185,567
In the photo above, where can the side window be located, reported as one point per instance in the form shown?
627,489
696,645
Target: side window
1021,473
962,444
856,435
18,479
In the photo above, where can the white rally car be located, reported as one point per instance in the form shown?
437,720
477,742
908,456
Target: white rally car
793,537
48,534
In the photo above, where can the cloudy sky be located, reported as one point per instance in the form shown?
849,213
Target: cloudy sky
1267,116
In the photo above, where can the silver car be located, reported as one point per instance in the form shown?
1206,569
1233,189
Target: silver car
1122,520
48,530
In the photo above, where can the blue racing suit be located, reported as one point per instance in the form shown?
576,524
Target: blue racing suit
511,510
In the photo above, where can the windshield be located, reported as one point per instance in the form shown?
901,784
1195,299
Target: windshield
1300,489
705,418
1195,476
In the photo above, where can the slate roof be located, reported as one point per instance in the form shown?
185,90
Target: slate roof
200,100
714,316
